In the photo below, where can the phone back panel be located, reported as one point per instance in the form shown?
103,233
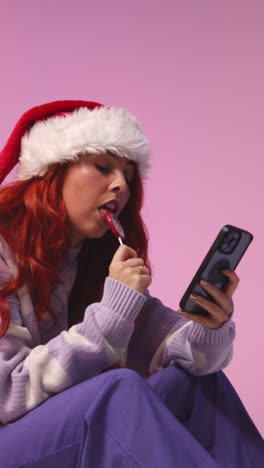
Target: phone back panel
225,254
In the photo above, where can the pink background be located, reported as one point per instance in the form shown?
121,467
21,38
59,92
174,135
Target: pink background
193,74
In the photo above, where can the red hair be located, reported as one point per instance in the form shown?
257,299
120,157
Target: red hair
34,223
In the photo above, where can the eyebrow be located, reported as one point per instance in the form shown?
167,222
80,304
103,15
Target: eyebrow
129,162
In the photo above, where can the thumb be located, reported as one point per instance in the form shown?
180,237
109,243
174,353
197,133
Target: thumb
124,253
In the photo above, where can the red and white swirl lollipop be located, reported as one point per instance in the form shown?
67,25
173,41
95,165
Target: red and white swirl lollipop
107,213
115,226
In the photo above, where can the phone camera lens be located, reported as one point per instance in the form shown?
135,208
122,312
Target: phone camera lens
232,243
229,242
225,247
229,236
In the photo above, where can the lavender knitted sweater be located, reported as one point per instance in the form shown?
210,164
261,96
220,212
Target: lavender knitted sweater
37,362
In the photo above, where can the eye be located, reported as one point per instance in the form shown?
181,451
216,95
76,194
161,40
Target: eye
103,169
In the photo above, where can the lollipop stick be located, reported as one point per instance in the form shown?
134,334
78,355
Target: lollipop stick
120,241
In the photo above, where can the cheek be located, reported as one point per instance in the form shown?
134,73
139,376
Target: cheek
77,184
127,196
72,193
125,199
69,192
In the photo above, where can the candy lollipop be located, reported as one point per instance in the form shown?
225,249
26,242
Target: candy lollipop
115,226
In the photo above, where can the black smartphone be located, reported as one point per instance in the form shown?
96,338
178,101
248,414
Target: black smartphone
224,254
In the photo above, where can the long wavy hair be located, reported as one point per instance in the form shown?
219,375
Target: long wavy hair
35,225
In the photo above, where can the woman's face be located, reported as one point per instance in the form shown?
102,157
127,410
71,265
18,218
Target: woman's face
91,183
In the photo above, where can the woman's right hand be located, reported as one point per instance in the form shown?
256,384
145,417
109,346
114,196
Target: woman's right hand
129,269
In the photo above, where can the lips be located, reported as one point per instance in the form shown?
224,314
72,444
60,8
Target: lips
110,205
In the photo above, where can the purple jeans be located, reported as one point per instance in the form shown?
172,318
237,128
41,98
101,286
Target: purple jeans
119,420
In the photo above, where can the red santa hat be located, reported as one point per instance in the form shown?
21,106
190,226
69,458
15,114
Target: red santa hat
60,131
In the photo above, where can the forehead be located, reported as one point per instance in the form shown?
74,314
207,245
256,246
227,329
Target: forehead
110,157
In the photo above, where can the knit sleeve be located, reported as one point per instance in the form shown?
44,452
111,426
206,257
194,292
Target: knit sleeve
166,338
199,350
30,373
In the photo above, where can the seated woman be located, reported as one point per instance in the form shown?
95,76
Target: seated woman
93,370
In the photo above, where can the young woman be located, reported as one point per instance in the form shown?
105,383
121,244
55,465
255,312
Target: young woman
74,306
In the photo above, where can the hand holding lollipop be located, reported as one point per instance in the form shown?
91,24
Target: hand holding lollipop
138,275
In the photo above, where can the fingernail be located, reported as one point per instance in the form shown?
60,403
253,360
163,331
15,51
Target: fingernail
193,297
203,282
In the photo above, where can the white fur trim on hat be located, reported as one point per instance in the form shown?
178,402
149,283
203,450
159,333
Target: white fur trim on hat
64,138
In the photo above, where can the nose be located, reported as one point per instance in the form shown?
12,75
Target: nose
119,183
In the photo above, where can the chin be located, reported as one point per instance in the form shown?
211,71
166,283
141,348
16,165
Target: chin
97,234
81,234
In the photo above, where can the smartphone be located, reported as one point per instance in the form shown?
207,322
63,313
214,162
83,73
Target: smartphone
225,253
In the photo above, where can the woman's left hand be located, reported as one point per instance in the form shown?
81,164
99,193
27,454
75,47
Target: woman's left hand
221,309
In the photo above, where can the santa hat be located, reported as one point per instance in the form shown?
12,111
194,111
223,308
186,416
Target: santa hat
60,131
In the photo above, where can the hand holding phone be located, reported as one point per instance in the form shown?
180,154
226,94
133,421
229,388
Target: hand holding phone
224,254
